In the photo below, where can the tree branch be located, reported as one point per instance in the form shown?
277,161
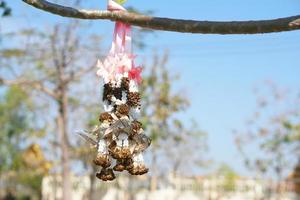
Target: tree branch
176,25
78,74
38,85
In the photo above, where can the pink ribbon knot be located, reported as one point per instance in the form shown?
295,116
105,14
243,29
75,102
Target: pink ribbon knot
120,60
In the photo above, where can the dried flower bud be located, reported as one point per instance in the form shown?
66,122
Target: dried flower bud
134,99
120,153
138,170
125,84
143,170
121,150
123,109
112,145
128,163
102,160
139,167
120,166
105,116
107,92
106,174
117,92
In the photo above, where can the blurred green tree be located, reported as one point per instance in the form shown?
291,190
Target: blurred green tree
172,138
17,178
49,66
274,131
229,175
13,124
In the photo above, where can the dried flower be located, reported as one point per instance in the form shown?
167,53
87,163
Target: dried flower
139,167
133,99
117,92
105,117
107,91
128,163
102,160
106,174
120,152
120,166
125,84
123,109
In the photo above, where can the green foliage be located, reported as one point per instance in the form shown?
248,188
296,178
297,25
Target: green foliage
10,53
13,123
14,126
294,129
121,1
229,177
161,106
273,130
39,65
160,103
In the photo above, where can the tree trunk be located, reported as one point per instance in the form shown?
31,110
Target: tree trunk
153,181
64,145
92,183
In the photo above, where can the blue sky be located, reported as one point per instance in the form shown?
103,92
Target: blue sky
218,72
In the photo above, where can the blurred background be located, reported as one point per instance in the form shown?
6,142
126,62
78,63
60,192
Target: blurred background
223,111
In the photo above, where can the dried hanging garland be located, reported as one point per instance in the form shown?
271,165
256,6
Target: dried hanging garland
120,138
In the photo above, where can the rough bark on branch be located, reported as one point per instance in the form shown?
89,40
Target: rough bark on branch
175,25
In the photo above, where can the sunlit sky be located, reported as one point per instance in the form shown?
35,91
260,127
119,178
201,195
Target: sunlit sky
218,72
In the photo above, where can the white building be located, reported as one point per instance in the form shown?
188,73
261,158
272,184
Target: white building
179,188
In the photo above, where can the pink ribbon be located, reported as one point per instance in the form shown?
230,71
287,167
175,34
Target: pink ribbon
122,33
120,61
